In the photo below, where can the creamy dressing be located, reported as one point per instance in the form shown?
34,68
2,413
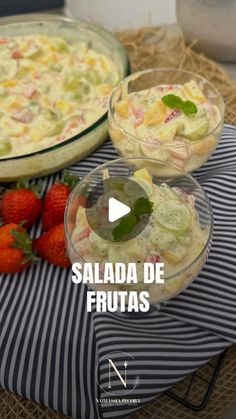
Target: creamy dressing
50,90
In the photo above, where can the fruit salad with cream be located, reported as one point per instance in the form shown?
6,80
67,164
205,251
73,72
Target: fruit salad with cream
50,90
173,235
174,123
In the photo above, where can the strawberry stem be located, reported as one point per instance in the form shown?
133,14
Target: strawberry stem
23,242
23,183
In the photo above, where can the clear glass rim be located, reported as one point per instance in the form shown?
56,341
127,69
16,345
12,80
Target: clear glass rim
181,171
44,19
136,75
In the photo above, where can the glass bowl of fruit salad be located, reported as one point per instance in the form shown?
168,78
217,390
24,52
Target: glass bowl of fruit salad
56,76
168,114
177,231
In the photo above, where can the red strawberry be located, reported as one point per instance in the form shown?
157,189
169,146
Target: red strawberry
55,201
21,205
15,249
6,236
51,246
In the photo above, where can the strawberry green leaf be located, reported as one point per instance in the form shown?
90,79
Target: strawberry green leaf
23,183
23,242
70,179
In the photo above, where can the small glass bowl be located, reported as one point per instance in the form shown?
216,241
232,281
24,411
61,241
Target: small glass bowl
124,167
196,152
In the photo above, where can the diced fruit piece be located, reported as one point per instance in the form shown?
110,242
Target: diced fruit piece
105,174
206,146
167,132
51,246
5,146
156,114
21,205
143,173
81,216
196,129
84,248
3,91
162,240
64,106
16,130
4,41
59,45
90,61
185,240
55,67
193,91
9,83
8,70
16,53
39,132
82,234
173,215
105,89
29,49
176,254
98,243
82,201
133,250
153,257
47,58
29,91
174,285
146,185
169,192
122,108
72,81
82,92
179,151
173,114
25,115
93,77
56,129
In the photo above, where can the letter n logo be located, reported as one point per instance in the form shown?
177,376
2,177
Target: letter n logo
122,379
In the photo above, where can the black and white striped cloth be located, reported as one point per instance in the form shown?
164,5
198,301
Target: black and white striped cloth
51,348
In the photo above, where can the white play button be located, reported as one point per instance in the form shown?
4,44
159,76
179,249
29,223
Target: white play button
116,209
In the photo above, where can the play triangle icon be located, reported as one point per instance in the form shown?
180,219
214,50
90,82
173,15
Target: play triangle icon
117,210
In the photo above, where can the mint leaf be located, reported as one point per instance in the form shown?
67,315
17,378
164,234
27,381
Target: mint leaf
172,101
143,206
189,107
125,226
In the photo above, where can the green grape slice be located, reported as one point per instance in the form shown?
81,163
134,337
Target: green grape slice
173,215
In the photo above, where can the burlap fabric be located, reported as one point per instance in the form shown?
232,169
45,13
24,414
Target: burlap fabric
150,48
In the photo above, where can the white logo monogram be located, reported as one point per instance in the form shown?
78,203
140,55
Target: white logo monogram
123,380
114,373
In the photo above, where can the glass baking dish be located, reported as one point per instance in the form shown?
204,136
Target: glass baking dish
54,158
